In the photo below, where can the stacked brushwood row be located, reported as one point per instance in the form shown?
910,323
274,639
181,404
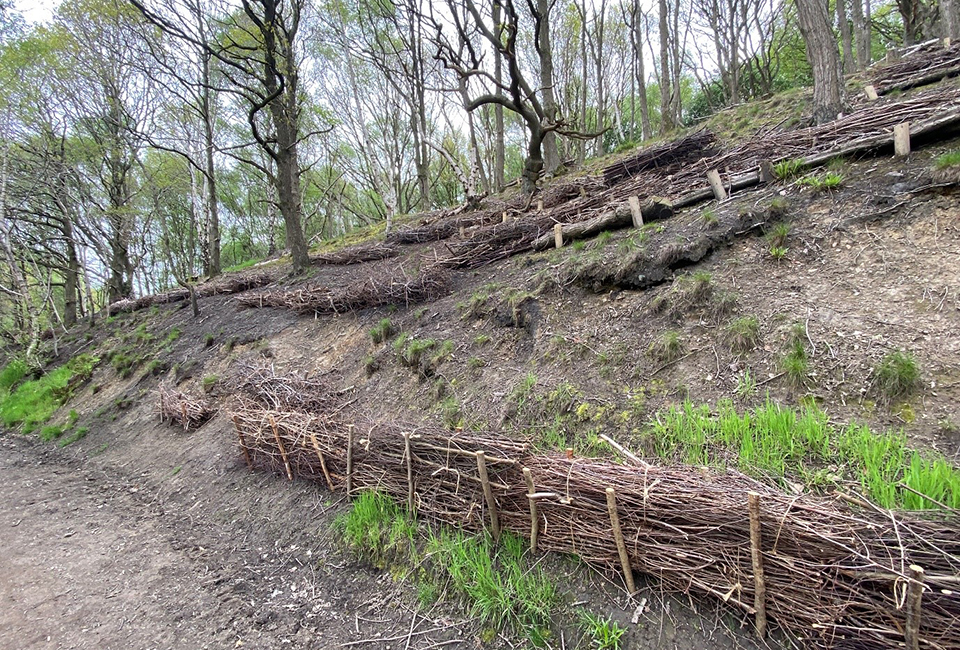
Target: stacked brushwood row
929,64
835,576
225,285
389,286
356,255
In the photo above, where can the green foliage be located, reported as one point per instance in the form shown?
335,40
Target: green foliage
76,436
743,334
667,347
775,443
746,385
382,331
604,633
788,169
481,339
11,375
209,382
34,402
948,160
522,393
709,218
828,181
377,529
208,339
777,236
795,364
778,253
173,335
475,363
897,376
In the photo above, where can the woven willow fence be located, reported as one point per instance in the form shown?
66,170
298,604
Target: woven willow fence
838,573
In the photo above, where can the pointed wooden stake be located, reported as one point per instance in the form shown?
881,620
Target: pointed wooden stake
913,604
618,537
635,211
756,555
558,235
716,184
488,494
323,462
534,515
901,139
283,452
243,442
406,448
349,459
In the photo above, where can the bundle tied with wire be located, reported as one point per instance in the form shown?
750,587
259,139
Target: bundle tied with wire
835,576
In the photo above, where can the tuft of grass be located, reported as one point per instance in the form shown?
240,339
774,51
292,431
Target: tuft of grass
778,207
776,444
481,339
668,347
377,529
746,385
604,633
795,364
11,375
709,218
788,169
173,335
475,363
778,253
208,339
829,181
34,402
743,334
777,236
897,376
382,331
209,382
948,160
76,436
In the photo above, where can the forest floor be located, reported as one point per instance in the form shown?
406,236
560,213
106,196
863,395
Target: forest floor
140,535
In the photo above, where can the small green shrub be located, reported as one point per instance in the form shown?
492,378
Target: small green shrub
777,236
743,334
787,169
76,436
475,363
948,160
604,633
778,253
11,375
209,382
481,339
795,364
382,331
668,347
208,339
897,376
173,335
829,181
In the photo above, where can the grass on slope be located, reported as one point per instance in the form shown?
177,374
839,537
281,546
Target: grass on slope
33,402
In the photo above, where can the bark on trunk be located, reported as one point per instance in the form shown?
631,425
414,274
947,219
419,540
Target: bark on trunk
499,155
551,155
846,38
824,60
212,261
666,113
949,20
862,33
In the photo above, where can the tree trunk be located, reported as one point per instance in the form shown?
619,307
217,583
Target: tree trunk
910,12
212,260
499,155
666,114
551,155
849,65
582,152
949,20
861,32
824,60
533,165
641,73
70,277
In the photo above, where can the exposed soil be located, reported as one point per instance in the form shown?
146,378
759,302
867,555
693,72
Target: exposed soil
143,536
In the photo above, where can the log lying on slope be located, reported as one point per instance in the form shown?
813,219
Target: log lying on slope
235,284
922,68
692,147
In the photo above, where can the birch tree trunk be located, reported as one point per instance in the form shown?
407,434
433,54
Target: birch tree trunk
824,60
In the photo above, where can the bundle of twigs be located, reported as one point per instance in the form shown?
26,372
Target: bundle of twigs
356,255
391,287
188,411
687,149
833,575
444,227
224,285
925,66
292,391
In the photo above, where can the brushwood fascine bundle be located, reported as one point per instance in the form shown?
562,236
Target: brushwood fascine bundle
225,285
188,411
930,63
384,286
835,576
356,255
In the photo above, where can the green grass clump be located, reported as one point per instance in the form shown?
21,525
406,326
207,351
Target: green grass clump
795,364
76,436
743,334
33,402
948,160
668,347
382,331
11,375
829,181
209,382
897,376
604,633
377,529
173,335
787,169
709,218
777,443
778,235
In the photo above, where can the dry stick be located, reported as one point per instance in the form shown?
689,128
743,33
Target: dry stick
534,516
243,443
323,462
283,452
618,536
406,449
911,630
488,494
183,412
349,459
760,588
623,450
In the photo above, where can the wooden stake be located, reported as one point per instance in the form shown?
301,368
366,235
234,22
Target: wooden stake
534,516
504,217
463,232
618,536
635,211
406,448
558,235
901,139
871,92
243,442
488,494
946,43
323,462
911,630
569,452
756,554
716,184
349,459
283,452
183,414
539,205
767,173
